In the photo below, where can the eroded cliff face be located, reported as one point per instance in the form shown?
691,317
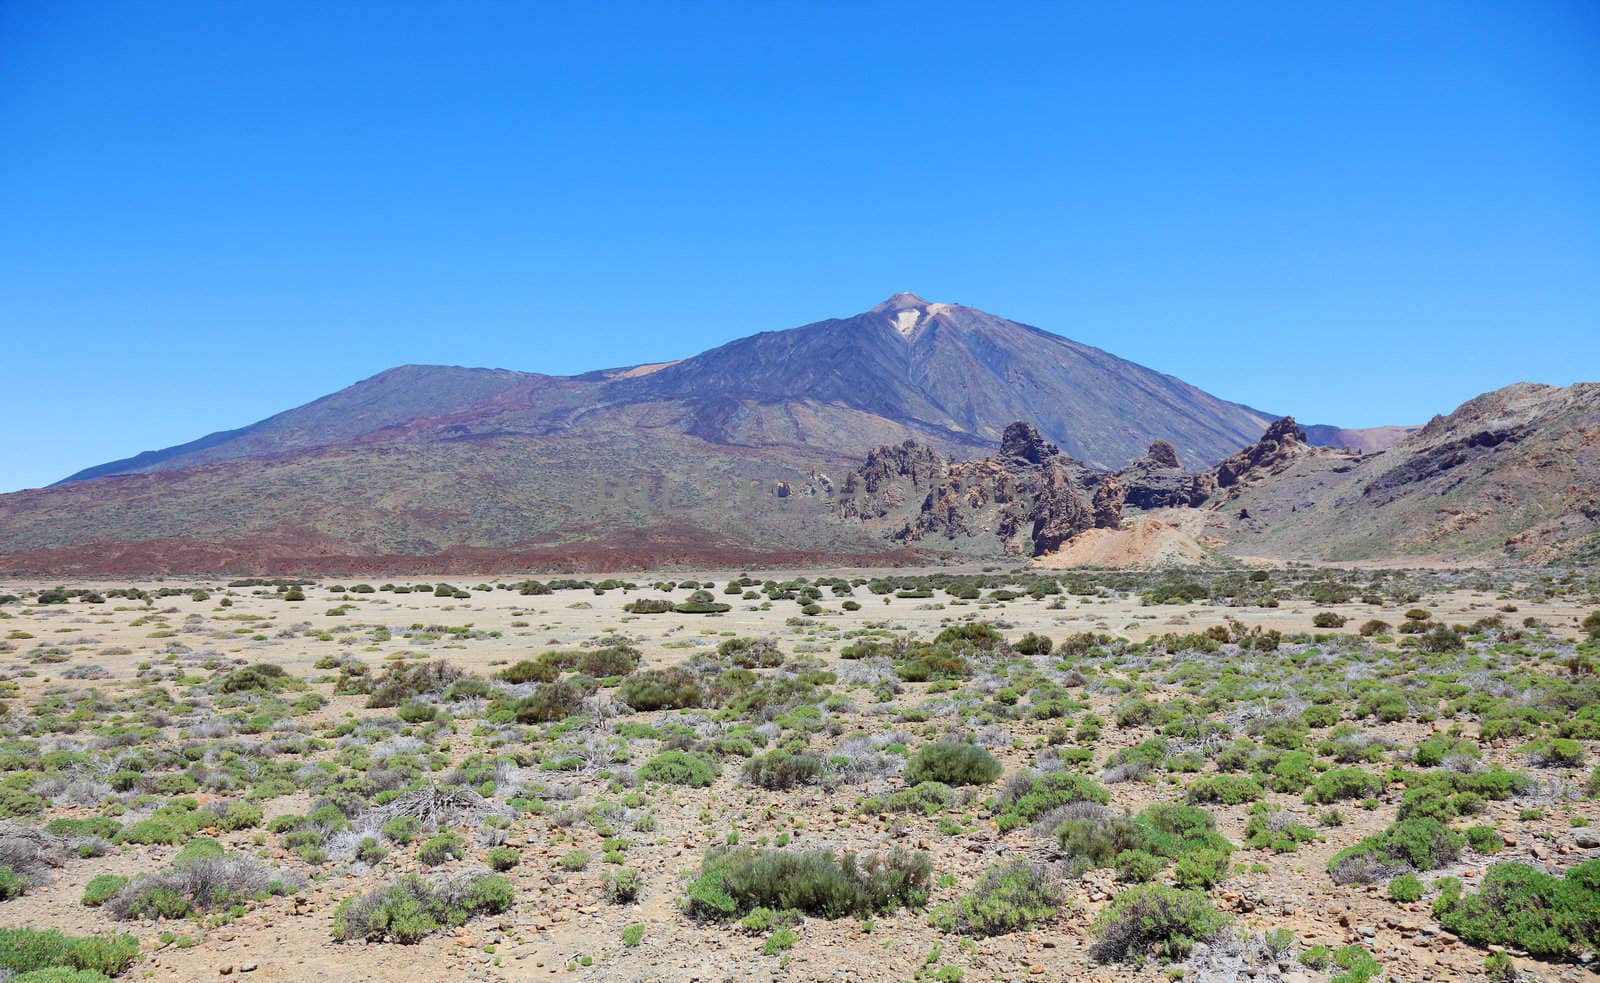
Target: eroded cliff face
1029,497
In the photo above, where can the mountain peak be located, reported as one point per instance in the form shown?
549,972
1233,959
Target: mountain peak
902,301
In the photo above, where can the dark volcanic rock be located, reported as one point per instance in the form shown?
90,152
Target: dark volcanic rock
1030,497
1023,442
1281,444
1163,454
1156,481
1108,501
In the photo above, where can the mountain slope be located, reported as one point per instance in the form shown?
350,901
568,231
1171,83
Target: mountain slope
1513,474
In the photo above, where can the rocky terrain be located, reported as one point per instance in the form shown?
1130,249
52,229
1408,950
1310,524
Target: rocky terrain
1286,777
1512,476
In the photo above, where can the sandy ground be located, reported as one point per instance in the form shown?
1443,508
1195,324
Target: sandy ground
560,918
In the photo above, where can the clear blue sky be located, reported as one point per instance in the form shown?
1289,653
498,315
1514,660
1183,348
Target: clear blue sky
1358,213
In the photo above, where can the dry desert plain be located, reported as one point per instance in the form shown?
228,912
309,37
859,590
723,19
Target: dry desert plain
138,712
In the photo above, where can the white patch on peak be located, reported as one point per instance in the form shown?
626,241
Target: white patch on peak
906,322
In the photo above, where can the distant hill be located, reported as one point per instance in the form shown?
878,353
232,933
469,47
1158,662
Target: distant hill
1368,440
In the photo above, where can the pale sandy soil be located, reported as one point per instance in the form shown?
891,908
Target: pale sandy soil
559,917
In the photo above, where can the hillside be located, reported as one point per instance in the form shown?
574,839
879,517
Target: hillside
1510,475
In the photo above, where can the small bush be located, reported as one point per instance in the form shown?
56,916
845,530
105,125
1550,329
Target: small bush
1028,796
1521,906
622,885
549,702
410,909
1225,789
927,798
734,881
1152,919
1421,843
674,767
26,950
1007,898
953,763
502,858
674,688
1033,644
448,845
1405,889
1343,783
783,770
101,888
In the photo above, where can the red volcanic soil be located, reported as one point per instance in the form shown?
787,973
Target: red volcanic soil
644,549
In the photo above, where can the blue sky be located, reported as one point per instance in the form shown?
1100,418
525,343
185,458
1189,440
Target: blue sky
1358,213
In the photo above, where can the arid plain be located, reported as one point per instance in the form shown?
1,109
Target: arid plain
1274,703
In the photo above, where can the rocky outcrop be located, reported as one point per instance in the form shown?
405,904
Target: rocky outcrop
1278,447
1109,498
891,477
1023,444
1158,481
1030,496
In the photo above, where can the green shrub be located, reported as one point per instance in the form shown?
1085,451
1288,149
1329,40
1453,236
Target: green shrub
1405,889
101,888
502,858
1521,906
25,950
448,845
1007,898
530,671
1484,839
410,909
241,815
783,769
1591,624
674,767
574,860
1202,868
1357,964
1138,867
416,712
1153,919
1225,789
953,763
1421,843
1343,783
549,702
674,688
1272,829
1034,644
622,885
1027,796
927,798
736,880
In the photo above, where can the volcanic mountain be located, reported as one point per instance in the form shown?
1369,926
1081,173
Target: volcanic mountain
952,375
728,456
723,454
